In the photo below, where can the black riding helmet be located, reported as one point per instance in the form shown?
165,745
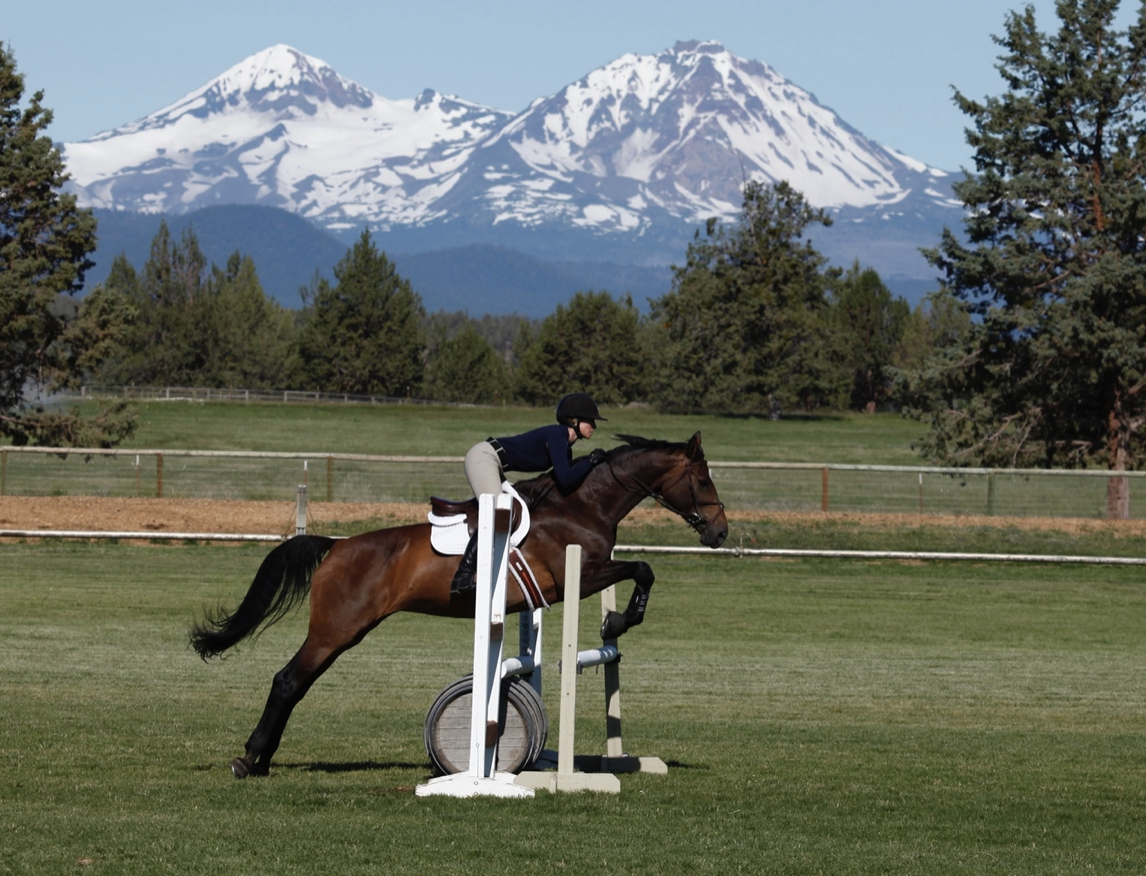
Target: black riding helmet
577,406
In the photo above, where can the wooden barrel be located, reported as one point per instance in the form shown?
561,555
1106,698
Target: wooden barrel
523,727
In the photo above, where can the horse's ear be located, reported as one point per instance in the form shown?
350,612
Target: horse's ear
694,450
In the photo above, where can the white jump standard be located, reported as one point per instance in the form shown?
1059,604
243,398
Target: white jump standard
474,772
482,778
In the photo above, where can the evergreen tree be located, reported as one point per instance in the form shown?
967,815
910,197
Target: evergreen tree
870,323
45,241
592,345
1053,370
363,335
190,325
168,343
744,329
252,337
464,368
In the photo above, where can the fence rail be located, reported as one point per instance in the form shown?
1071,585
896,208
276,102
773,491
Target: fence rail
199,393
341,477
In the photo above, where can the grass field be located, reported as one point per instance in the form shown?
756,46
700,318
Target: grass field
450,431
818,717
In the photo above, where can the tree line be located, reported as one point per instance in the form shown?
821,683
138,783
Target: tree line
1031,351
754,322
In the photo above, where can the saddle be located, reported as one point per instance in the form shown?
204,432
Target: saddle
453,522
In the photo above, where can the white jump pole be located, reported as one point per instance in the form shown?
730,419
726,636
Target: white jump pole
482,778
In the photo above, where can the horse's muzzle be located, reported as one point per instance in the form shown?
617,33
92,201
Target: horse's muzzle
715,532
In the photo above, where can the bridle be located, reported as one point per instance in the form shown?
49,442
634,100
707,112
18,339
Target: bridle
694,519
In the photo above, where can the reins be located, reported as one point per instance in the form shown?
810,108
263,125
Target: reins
694,519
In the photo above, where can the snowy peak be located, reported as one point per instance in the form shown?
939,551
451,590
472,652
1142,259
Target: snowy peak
280,82
696,120
282,128
282,79
645,141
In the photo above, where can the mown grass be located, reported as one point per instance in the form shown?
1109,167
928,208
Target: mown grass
818,716
450,431
890,533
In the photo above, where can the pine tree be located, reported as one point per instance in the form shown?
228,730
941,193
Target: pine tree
252,337
45,241
743,329
169,340
364,334
870,323
591,345
464,368
1052,371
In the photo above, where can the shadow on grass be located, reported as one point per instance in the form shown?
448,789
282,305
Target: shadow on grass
355,766
677,765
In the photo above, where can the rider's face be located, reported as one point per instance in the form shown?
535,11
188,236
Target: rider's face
586,428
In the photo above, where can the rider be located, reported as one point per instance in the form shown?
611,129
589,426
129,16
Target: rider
536,450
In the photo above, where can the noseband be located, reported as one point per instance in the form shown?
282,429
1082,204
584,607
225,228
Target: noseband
694,518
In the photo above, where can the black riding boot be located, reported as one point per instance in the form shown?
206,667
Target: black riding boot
465,579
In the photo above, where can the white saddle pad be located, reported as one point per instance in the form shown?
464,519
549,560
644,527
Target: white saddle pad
450,535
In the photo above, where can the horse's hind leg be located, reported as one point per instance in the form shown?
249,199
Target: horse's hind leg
289,686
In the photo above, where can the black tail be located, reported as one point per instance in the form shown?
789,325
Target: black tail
281,582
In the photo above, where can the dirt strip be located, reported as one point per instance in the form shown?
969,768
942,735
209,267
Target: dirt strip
278,518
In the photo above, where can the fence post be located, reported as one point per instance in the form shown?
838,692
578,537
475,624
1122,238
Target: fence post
3,470
991,494
300,511
330,479
824,491
159,475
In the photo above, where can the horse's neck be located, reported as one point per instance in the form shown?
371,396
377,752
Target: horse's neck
610,492
633,475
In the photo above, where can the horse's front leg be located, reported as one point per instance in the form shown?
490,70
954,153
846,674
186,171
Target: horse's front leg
641,574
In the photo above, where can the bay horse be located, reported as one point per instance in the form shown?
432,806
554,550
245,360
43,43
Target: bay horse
356,583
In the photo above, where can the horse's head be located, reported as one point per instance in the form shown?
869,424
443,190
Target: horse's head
683,484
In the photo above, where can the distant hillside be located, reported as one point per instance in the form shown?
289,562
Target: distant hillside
288,250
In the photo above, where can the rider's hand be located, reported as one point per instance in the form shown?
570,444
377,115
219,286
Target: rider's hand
597,456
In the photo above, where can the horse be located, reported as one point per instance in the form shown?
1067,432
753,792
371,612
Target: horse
355,583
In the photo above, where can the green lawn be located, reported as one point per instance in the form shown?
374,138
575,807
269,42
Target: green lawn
817,716
450,431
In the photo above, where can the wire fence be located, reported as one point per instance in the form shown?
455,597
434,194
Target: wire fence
744,486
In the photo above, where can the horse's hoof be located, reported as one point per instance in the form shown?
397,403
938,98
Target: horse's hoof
613,626
241,767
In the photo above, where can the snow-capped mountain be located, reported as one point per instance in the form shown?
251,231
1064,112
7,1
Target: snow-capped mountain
284,129
677,133
647,146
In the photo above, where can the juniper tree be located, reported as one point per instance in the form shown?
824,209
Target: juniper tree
1053,272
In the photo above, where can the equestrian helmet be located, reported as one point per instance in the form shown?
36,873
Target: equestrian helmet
577,406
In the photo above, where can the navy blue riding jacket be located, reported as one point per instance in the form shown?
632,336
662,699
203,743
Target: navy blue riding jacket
540,449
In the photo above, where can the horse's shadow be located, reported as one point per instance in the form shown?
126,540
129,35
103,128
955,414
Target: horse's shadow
356,766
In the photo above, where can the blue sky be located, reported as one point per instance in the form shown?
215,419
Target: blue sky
885,66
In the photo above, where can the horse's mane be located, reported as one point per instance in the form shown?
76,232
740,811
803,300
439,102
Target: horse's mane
639,443
536,488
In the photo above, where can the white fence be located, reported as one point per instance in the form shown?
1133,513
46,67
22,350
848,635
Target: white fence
798,487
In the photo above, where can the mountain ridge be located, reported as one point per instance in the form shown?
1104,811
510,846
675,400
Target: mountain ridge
621,166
